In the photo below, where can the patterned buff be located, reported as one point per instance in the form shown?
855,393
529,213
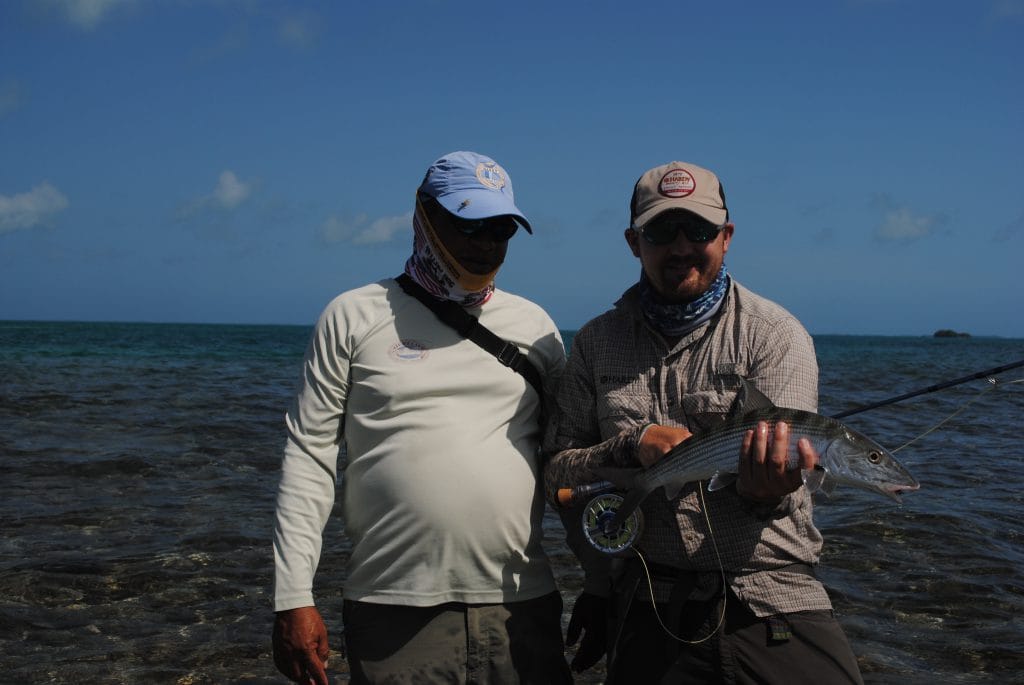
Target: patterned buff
438,272
680,319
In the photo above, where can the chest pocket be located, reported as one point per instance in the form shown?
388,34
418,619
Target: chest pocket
706,408
623,407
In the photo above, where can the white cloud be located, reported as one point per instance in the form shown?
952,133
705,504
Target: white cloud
383,230
86,14
230,192
334,230
361,232
903,226
31,209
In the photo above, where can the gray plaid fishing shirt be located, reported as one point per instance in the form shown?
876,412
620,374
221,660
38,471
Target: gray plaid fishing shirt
621,375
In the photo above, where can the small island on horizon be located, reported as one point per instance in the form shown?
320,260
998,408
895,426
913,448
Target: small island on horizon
948,333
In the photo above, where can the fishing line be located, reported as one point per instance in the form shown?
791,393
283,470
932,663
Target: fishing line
992,384
721,568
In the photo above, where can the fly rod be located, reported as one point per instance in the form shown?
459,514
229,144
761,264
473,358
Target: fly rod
931,388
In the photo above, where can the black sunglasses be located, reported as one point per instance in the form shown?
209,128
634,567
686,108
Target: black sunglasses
665,230
498,228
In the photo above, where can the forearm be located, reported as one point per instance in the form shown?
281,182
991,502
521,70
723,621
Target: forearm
305,499
572,467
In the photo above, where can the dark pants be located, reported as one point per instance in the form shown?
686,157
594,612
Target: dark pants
517,642
804,647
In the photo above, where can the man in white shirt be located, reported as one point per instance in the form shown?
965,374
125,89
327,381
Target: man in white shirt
439,476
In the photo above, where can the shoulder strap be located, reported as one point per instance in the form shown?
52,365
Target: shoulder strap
469,327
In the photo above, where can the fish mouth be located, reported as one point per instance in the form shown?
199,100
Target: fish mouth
894,491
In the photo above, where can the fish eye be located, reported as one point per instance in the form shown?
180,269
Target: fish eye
874,457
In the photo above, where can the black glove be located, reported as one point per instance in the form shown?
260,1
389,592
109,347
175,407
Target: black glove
589,616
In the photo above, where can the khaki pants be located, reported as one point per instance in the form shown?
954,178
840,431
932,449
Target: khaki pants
518,642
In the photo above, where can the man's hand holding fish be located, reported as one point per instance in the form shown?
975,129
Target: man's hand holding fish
656,441
764,474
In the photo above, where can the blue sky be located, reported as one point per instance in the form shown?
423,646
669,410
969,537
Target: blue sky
243,162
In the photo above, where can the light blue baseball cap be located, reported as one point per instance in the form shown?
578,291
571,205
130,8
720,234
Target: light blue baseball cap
472,186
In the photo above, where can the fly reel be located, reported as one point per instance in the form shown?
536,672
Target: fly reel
597,521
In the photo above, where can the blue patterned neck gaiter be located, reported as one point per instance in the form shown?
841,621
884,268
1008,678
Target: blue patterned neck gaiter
680,319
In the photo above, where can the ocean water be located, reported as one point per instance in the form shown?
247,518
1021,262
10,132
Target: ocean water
138,465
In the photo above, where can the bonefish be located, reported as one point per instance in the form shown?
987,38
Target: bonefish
844,456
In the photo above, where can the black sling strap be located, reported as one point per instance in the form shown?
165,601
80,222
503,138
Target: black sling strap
469,327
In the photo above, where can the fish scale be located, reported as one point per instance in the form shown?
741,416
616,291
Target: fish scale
718,449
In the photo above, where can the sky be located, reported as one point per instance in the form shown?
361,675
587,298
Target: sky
234,161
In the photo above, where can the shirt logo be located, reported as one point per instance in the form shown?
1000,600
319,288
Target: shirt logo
409,351
616,380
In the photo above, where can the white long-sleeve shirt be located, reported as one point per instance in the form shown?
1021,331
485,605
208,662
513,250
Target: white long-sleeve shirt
440,482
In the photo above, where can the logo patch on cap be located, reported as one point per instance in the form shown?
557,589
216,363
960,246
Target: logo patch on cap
490,175
677,183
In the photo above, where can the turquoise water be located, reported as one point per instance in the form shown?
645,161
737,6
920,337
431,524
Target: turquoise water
139,463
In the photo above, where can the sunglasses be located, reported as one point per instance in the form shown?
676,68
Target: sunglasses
497,228
665,230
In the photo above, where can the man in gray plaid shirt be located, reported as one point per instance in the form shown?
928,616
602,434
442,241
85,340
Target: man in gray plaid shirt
731,571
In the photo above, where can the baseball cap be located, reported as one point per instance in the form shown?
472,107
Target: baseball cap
678,185
472,186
